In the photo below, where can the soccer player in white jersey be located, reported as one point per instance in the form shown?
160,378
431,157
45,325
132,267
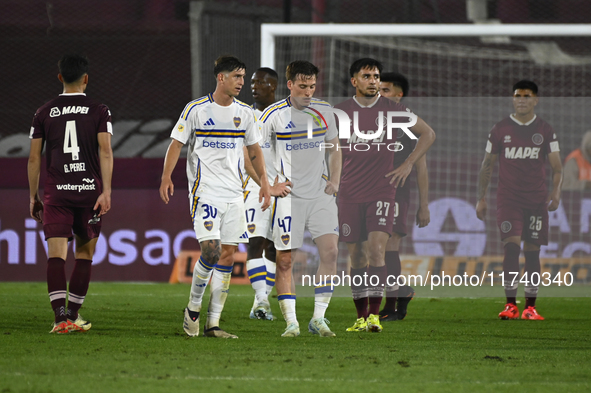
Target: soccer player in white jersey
216,127
260,268
299,159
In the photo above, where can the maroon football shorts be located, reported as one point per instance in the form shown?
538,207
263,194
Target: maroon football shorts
401,209
530,224
357,220
61,221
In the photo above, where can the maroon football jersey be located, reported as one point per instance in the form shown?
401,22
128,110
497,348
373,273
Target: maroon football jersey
408,146
69,126
522,152
366,162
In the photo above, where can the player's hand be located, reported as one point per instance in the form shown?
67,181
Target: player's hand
36,209
481,208
281,190
423,216
553,201
103,204
331,188
166,189
265,195
400,174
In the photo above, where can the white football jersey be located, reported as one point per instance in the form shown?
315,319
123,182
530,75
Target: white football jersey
298,158
250,185
216,136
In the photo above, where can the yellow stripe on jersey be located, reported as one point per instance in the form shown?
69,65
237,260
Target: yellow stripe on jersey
272,109
301,134
193,104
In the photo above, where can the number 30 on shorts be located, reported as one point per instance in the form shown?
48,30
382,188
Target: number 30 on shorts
535,223
382,208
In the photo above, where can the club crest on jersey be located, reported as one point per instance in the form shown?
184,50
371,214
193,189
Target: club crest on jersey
537,139
251,228
237,122
506,226
285,239
208,225
346,230
382,121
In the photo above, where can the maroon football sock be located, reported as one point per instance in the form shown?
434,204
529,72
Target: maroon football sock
79,281
393,269
56,287
510,267
376,292
359,290
532,267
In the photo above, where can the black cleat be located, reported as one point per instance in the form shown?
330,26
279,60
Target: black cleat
405,295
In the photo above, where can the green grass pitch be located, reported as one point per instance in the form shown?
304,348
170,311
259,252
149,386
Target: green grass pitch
137,344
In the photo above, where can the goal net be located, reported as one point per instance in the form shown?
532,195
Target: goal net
460,83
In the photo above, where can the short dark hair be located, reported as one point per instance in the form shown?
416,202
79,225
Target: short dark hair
524,84
300,67
397,80
366,62
227,63
269,71
72,67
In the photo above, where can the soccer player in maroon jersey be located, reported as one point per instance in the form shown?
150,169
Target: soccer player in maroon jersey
77,133
522,142
395,86
368,187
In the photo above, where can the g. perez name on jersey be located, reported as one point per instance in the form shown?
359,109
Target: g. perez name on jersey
75,167
68,110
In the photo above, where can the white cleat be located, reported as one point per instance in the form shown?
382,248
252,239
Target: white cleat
292,330
261,310
217,332
191,323
319,326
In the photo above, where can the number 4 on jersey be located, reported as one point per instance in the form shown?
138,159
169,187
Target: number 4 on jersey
71,140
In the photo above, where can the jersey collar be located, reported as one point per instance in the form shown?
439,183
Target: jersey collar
368,106
520,123
72,94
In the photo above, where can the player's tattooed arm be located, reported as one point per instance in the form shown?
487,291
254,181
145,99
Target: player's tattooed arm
483,182
554,197
211,250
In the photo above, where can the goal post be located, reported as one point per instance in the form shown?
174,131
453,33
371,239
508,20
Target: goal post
461,77
271,30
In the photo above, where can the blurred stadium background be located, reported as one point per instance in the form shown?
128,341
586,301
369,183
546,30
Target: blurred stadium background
149,58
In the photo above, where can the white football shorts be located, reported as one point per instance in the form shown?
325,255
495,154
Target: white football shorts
291,216
218,220
258,222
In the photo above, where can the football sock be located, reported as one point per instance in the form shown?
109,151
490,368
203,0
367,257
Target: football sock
201,275
532,266
510,266
220,286
287,303
393,268
359,290
270,279
57,287
79,281
376,292
257,274
322,296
